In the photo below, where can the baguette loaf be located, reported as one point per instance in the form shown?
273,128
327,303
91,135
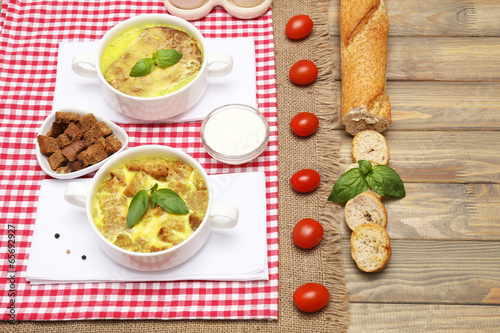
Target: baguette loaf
364,28
370,247
365,208
371,146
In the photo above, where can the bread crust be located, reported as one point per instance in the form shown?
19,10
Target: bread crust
364,28
371,247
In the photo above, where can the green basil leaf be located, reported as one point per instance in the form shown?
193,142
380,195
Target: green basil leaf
137,208
377,182
167,57
154,199
171,201
152,193
142,67
386,181
349,185
365,166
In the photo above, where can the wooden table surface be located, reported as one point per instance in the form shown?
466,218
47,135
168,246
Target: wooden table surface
444,87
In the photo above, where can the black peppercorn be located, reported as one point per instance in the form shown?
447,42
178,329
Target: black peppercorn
56,236
84,257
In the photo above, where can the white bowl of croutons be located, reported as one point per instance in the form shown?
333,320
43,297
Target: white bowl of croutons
73,142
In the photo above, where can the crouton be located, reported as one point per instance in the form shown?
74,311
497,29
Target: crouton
57,160
71,151
48,145
66,117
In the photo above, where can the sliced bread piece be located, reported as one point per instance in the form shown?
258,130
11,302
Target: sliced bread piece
364,208
370,247
371,146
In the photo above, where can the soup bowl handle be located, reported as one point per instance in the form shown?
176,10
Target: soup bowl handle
84,64
76,194
223,216
219,64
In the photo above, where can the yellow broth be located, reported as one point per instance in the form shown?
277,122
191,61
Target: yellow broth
126,50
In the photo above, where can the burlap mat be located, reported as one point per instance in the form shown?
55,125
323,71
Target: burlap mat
320,152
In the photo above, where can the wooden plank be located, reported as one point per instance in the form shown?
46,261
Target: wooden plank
443,211
438,58
427,271
384,318
439,156
441,105
435,18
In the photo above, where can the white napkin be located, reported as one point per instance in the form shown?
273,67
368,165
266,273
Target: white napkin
239,86
238,254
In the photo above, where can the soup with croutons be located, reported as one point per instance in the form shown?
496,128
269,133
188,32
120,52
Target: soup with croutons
157,73
157,229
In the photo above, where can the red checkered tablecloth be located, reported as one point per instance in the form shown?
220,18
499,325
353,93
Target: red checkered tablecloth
29,38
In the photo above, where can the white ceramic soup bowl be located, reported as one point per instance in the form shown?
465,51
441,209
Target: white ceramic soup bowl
153,108
218,215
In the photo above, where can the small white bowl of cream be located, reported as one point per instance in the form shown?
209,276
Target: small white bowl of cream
235,133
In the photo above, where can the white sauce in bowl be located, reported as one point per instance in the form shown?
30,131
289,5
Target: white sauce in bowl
235,134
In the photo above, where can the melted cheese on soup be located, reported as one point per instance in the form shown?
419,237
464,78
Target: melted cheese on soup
125,51
158,229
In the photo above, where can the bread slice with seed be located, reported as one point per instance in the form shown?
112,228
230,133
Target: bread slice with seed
371,146
370,247
365,208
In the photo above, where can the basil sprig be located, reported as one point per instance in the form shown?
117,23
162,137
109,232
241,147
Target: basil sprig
163,58
166,198
137,208
381,178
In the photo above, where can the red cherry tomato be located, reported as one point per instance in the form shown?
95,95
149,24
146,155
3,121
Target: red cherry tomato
299,26
304,123
303,72
305,180
311,297
307,233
